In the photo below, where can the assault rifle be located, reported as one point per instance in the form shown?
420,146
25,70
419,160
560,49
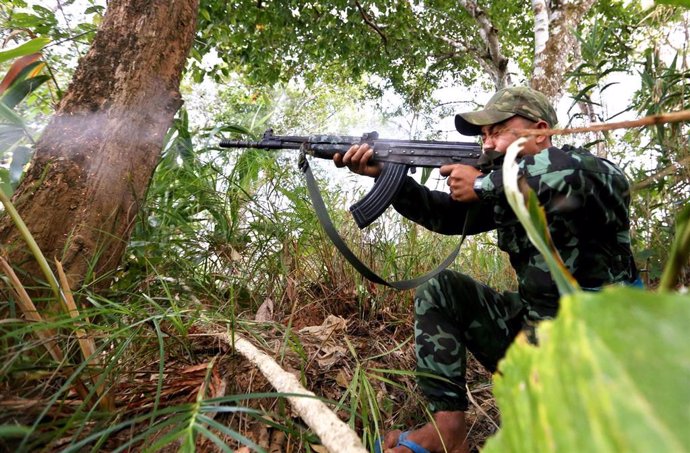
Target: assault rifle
399,156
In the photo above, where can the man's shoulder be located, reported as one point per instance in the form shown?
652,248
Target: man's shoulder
566,154
568,158
549,160
590,162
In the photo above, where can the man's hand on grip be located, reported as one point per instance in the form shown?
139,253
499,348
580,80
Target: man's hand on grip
357,159
461,181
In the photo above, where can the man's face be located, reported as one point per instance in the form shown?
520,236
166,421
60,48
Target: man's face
498,137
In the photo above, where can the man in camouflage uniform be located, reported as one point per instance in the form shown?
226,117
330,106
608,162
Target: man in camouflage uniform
586,201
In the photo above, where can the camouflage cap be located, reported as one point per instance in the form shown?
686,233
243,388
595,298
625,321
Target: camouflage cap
505,104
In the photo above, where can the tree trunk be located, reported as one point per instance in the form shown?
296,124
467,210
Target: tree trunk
555,42
95,159
490,57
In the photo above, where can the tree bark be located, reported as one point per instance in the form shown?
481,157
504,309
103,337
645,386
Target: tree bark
95,159
491,57
555,45
555,42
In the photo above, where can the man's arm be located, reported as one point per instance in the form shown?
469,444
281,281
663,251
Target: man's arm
438,212
434,210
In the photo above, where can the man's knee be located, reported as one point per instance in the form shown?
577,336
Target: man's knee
445,291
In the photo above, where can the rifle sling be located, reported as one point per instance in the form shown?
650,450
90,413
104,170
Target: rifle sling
329,228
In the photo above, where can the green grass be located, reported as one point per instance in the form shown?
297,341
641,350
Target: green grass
214,247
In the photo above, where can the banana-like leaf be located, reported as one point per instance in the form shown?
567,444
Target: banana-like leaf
183,143
5,184
22,68
610,375
683,3
533,219
19,90
235,129
29,47
10,134
7,116
680,251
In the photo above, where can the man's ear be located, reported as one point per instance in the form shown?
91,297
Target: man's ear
541,139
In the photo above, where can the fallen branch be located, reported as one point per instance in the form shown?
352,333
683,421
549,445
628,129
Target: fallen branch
335,435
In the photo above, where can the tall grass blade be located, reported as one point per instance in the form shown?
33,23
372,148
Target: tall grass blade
46,335
228,432
29,310
86,344
33,246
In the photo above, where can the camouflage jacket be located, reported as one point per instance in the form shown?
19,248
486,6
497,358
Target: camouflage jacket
586,199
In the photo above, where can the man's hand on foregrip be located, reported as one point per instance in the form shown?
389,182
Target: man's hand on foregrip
357,160
461,181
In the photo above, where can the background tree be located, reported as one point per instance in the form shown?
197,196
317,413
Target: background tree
413,48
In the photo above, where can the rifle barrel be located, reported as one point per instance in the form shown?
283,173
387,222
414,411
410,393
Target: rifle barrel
263,144
413,153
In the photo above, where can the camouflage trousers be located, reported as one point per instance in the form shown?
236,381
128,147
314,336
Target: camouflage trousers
453,314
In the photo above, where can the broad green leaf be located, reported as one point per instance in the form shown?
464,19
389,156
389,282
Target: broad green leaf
96,9
610,375
680,251
21,89
27,48
683,3
8,116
